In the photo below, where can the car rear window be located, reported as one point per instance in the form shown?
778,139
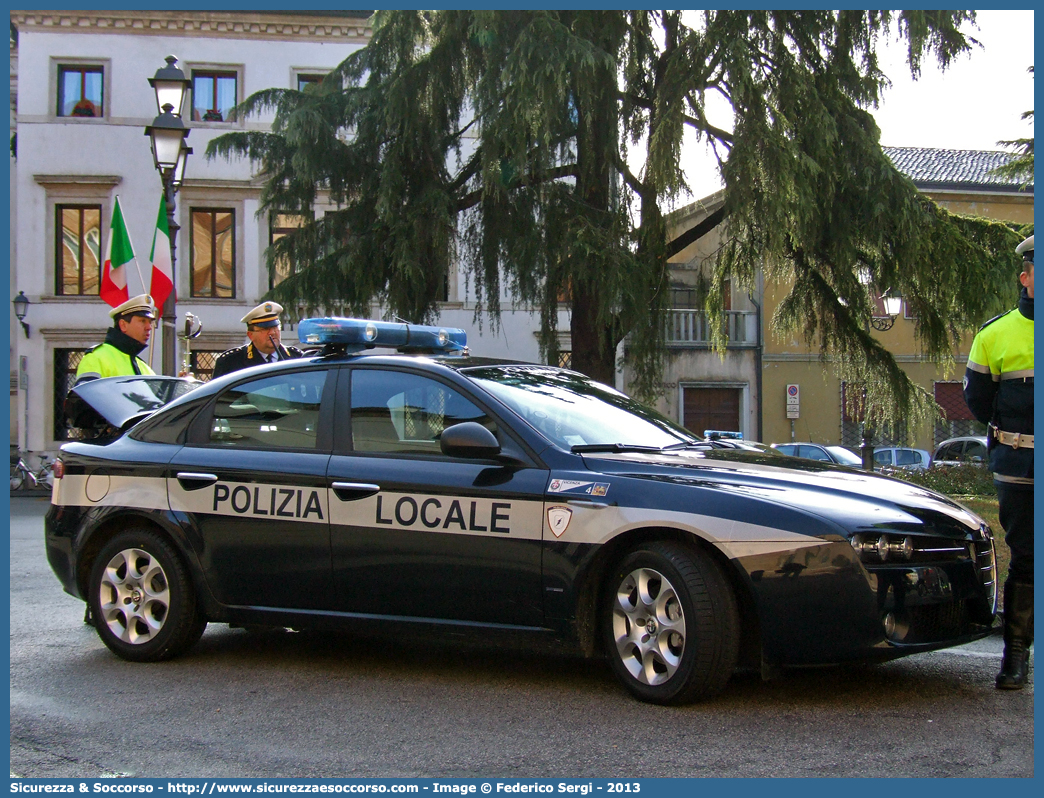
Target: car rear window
907,457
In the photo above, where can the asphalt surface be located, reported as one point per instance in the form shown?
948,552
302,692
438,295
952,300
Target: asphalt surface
283,704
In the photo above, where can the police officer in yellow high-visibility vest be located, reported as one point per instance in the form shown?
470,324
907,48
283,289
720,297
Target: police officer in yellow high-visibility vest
129,335
118,355
998,387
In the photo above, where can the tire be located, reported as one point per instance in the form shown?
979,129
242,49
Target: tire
670,624
17,478
142,600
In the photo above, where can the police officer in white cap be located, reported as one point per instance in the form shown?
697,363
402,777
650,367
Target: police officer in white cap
263,330
129,335
998,387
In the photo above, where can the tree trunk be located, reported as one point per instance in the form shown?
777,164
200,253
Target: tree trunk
594,350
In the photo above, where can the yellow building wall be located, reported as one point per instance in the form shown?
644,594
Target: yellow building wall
792,360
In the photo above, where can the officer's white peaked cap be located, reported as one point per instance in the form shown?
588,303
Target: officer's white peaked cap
1026,248
141,305
264,315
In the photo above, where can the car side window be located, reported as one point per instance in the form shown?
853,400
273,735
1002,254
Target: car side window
814,453
974,449
278,412
398,413
787,448
884,457
948,452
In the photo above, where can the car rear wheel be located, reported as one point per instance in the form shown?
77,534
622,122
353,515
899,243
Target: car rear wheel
142,600
670,624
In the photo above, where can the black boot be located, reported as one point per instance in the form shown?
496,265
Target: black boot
1018,635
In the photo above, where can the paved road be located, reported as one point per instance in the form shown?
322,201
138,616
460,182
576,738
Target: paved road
296,705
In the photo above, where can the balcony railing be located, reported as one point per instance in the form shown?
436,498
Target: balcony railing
691,328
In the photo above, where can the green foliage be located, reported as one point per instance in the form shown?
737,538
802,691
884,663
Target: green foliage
966,479
501,140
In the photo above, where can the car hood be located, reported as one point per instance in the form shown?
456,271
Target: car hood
123,401
855,499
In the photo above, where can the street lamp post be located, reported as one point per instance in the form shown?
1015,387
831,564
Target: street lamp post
893,303
21,307
170,155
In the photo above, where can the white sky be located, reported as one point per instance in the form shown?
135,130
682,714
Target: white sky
978,101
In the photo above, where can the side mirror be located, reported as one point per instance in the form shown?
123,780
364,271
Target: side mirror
469,439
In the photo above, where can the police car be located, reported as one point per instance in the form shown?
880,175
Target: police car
433,489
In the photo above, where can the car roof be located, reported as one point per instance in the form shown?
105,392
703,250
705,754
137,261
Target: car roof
961,438
369,358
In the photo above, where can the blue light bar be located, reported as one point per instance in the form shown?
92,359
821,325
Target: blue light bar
720,434
357,334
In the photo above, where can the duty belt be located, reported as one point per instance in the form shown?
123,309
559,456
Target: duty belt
1016,440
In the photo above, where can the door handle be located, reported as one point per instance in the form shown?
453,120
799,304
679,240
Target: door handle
353,491
193,481
589,504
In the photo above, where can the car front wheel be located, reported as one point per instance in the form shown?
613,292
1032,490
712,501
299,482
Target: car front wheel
670,624
142,600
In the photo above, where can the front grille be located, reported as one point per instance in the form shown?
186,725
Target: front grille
985,554
932,622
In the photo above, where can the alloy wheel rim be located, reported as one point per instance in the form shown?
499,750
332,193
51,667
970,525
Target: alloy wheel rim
134,596
648,626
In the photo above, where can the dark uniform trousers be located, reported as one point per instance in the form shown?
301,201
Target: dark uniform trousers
246,356
1016,517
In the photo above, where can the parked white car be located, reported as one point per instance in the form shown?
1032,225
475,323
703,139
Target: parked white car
965,449
902,457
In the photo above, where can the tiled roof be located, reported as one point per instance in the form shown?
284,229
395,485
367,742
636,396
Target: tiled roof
955,169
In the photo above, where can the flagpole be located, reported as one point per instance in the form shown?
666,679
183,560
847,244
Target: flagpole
169,312
137,265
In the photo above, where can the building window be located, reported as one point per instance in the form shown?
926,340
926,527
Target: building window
280,225
66,362
201,364
213,95
213,248
80,91
304,81
77,250
690,297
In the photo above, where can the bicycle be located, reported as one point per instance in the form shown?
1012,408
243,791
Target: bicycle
23,477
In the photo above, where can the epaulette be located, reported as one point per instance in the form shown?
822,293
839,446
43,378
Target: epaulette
996,318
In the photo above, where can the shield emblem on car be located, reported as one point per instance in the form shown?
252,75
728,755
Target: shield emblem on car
558,519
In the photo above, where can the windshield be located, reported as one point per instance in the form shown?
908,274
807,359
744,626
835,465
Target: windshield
844,456
572,410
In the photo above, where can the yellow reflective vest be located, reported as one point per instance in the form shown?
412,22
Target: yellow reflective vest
106,360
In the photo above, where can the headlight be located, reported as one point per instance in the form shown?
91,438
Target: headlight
881,548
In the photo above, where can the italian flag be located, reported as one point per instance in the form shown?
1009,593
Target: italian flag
118,253
162,273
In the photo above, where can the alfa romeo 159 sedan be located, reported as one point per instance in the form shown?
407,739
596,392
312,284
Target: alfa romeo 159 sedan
431,489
